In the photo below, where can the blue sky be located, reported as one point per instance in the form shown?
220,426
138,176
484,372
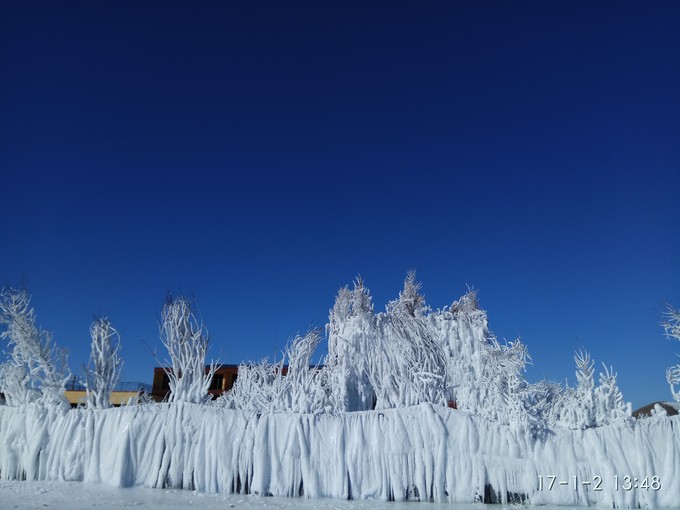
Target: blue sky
259,155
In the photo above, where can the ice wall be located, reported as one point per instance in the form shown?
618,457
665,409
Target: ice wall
422,452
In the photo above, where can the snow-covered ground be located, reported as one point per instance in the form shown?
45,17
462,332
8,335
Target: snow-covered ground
87,496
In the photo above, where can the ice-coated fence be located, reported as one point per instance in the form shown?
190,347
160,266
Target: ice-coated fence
423,452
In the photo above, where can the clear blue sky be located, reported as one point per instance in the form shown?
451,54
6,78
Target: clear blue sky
258,155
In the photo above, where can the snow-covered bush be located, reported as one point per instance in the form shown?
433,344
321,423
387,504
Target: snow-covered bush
671,326
15,384
297,386
37,369
186,340
258,388
103,370
587,405
545,399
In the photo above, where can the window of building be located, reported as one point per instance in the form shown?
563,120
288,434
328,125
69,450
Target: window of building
217,382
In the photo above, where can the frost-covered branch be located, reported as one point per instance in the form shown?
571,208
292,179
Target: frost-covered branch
186,340
671,326
103,370
37,369
673,378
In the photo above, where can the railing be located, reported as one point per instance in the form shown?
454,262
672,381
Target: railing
74,385
77,385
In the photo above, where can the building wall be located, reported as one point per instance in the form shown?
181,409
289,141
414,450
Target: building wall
223,380
117,398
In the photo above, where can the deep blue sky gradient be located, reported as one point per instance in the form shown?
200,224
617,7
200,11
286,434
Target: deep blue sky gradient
259,155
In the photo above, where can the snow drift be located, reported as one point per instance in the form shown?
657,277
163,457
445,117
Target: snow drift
424,452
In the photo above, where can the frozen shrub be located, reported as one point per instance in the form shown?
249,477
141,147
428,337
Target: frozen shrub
268,387
37,370
186,340
103,370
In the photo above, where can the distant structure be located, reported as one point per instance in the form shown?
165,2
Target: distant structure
648,410
76,394
223,380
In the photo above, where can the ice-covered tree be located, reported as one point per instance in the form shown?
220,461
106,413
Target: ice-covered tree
484,376
383,360
610,406
579,411
37,368
411,301
574,408
589,405
461,329
351,330
671,325
103,370
502,387
585,390
406,366
186,340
